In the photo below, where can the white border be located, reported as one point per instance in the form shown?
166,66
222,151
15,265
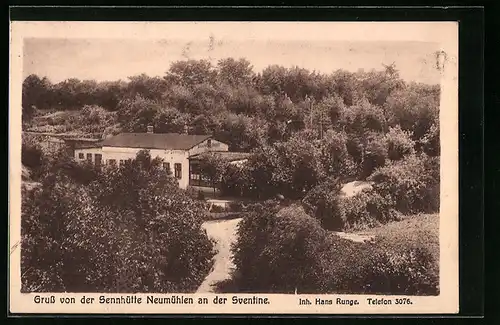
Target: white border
445,33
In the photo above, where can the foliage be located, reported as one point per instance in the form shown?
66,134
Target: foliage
275,252
380,267
131,229
35,92
365,118
430,142
299,167
335,155
366,209
324,203
288,251
32,157
213,166
414,107
399,143
374,155
412,184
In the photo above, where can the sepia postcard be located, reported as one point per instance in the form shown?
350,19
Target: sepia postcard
233,168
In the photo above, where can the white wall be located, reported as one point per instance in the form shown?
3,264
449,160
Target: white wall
170,156
85,151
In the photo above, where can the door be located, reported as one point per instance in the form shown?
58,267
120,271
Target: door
98,159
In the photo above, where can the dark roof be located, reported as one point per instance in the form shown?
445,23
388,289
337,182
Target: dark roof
226,155
166,141
87,145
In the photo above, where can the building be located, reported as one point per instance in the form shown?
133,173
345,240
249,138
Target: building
176,150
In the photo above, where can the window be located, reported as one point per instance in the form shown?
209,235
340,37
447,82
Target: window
81,155
89,157
166,166
178,171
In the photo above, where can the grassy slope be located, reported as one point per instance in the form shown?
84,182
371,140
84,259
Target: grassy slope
419,230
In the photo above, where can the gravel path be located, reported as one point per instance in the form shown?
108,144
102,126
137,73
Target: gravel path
224,233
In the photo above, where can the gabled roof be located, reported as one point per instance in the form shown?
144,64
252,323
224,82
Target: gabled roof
165,141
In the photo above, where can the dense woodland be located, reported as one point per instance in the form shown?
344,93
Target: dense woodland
235,104
309,133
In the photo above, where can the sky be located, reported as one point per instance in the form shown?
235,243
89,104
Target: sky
112,58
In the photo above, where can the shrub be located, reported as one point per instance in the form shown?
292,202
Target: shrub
399,143
430,142
130,230
288,251
323,202
380,268
276,252
335,155
411,183
363,116
366,210
236,206
375,154
32,157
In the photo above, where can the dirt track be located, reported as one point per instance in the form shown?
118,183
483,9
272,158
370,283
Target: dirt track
224,233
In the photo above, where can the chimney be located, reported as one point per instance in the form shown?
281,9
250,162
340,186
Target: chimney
150,129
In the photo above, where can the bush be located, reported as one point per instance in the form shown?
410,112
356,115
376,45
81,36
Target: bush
399,143
130,230
323,202
375,154
366,210
236,206
32,157
430,142
412,183
276,252
288,251
335,155
380,268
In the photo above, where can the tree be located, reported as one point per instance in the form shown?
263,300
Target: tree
235,72
147,87
335,156
36,93
298,166
240,132
272,80
136,114
130,229
415,108
278,252
109,94
430,142
213,166
191,72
